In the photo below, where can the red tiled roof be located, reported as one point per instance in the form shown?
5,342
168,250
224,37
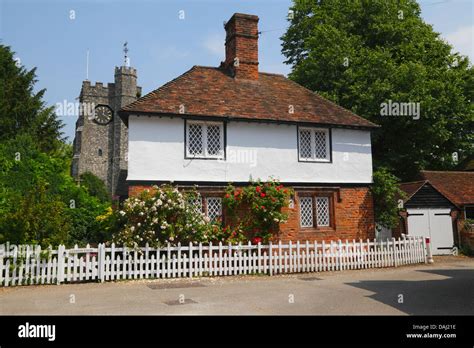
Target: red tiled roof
206,91
410,188
458,187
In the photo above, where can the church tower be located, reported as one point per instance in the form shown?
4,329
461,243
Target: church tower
101,138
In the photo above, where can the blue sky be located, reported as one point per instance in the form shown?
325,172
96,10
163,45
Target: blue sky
162,46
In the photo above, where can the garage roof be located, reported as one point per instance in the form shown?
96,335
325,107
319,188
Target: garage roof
458,187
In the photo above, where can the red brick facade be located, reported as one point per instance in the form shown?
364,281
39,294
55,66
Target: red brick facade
466,233
352,216
352,213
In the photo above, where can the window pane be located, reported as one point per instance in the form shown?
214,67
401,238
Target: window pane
196,203
320,144
214,207
469,212
305,143
195,139
213,140
322,211
306,211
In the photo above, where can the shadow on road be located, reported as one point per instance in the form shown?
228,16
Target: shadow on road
451,296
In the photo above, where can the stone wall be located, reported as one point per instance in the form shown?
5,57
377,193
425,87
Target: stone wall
102,149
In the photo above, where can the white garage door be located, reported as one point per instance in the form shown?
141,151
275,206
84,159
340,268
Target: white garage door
433,223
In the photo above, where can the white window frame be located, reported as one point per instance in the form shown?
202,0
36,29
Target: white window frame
315,219
204,125
313,158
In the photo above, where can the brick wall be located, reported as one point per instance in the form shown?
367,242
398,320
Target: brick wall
352,215
352,218
134,190
466,235
242,43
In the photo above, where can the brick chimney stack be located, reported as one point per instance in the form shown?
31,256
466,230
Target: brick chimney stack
241,46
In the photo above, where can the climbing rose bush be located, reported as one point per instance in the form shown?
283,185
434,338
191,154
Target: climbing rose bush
160,216
166,215
262,203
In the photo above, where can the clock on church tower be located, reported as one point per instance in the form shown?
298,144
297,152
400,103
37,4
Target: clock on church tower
103,114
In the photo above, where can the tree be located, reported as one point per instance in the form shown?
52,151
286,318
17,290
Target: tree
39,200
386,192
22,110
361,54
94,186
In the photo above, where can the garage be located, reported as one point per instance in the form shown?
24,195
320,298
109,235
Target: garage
435,224
430,214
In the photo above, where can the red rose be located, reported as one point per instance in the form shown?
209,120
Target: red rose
227,196
256,240
262,195
258,189
263,207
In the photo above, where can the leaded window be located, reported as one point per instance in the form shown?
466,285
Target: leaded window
214,207
315,211
195,143
196,203
306,211
314,144
322,211
204,139
305,144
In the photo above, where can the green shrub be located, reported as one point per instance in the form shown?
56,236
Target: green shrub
160,216
466,250
39,201
95,187
386,192
262,204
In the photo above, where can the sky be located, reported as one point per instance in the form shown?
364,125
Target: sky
165,38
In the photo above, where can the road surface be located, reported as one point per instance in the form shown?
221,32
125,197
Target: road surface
446,287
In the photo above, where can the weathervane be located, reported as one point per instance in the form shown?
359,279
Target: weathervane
125,51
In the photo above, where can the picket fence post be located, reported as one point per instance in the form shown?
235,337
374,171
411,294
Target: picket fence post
190,266
101,258
270,254
395,256
60,273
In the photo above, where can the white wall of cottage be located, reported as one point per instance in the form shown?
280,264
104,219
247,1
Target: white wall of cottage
254,150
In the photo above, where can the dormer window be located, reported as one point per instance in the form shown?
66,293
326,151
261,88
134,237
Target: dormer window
314,144
204,139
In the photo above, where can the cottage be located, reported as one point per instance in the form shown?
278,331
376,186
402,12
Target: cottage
438,206
199,128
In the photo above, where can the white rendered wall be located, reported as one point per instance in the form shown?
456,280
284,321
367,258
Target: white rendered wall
156,152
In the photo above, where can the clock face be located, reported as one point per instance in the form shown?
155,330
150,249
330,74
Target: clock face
103,114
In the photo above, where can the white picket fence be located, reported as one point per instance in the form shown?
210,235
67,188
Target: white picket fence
26,265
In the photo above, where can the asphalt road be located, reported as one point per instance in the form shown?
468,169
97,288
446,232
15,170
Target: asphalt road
446,287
